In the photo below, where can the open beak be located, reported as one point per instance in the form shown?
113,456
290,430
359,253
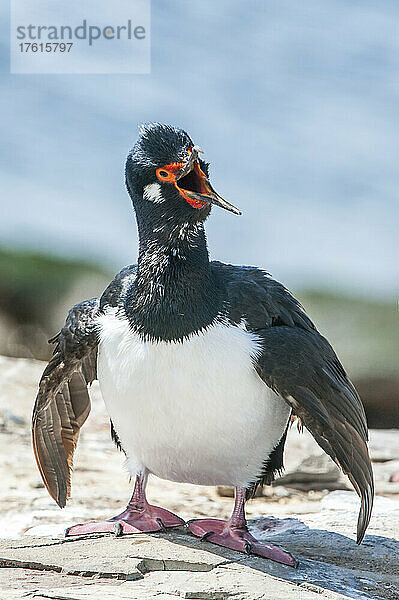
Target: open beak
194,186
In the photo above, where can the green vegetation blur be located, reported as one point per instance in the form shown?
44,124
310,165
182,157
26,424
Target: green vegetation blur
36,292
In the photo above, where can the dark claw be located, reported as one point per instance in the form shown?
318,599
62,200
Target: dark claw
296,561
161,524
67,530
248,547
118,529
206,535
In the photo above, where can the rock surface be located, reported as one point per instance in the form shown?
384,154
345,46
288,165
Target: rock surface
315,524
176,564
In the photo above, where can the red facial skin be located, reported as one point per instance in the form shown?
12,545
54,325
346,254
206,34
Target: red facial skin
168,174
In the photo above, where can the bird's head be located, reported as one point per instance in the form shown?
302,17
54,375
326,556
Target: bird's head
165,175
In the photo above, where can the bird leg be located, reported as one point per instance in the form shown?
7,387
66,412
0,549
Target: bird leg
138,517
234,534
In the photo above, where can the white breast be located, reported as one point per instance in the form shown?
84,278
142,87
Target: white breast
193,411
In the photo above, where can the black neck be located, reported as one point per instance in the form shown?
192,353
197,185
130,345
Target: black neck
179,245
175,292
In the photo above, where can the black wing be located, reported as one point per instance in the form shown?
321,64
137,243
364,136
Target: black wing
63,404
300,365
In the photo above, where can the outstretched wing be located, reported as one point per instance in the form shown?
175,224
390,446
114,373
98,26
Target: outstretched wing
63,404
302,367
299,364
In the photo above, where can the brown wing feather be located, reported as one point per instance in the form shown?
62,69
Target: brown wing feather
63,404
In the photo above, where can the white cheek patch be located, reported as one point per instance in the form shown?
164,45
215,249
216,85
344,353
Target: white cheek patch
152,193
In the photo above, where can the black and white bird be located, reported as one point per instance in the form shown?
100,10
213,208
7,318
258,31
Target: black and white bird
201,364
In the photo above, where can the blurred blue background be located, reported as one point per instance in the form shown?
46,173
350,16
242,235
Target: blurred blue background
296,107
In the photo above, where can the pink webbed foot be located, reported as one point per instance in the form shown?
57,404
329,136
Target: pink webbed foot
148,519
238,538
139,517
